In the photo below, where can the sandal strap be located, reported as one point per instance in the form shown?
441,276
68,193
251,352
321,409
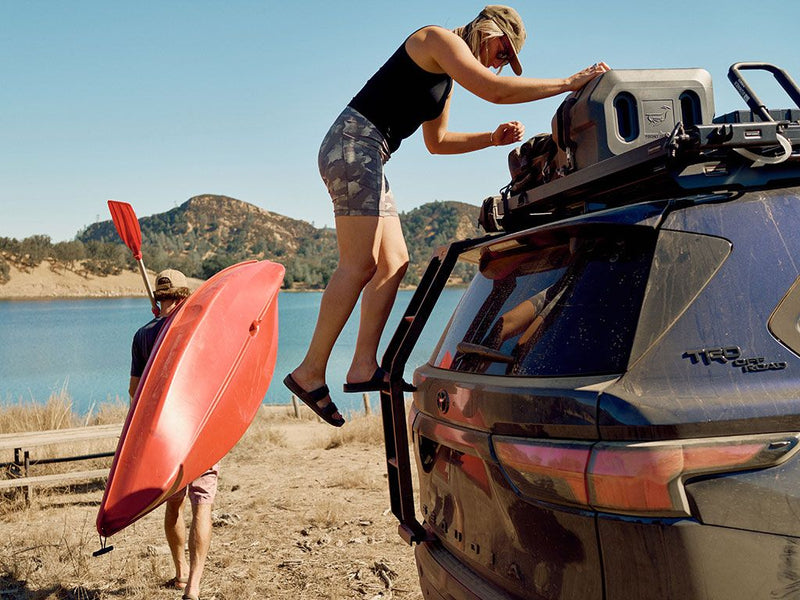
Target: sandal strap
318,394
329,409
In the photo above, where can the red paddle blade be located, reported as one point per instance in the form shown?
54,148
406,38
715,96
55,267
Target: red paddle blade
127,226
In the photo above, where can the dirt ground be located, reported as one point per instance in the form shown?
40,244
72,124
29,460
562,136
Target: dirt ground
302,512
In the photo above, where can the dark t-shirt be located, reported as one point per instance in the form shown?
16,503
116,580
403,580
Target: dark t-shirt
401,96
143,341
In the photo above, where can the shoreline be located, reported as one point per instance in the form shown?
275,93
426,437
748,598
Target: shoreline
44,283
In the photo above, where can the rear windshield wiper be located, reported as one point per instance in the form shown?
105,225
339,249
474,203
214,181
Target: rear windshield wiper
484,352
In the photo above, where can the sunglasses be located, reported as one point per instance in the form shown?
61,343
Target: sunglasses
507,51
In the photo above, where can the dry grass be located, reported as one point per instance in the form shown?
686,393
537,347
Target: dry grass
264,431
57,557
108,412
57,413
302,513
358,430
356,479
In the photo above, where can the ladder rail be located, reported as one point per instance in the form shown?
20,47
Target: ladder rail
393,408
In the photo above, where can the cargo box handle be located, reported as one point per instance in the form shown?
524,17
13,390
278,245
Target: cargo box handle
746,92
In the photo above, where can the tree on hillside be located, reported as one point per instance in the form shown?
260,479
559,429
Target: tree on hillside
9,245
69,252
105,258
5,271
215,263
33,250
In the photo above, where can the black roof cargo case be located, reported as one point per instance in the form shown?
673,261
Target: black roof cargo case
630,137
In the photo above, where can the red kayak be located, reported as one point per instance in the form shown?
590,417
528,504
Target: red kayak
201,389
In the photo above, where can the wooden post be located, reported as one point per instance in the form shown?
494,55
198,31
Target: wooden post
367,407
296,407
28,491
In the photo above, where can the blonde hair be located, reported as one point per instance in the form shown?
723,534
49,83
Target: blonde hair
477,31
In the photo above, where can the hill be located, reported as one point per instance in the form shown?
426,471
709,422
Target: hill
436,224
209,232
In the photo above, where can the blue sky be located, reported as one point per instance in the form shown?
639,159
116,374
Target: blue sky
153,102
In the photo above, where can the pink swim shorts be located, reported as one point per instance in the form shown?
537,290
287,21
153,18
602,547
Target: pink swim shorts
202,490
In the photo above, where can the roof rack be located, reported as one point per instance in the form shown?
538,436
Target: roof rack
736,151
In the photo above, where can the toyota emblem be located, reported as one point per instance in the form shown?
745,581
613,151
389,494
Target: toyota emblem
443,401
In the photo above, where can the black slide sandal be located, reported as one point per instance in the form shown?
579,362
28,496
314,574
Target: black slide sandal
375,384
311,398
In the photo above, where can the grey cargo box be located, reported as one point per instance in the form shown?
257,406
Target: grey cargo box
624,109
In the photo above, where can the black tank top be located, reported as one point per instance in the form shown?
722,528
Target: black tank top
401,96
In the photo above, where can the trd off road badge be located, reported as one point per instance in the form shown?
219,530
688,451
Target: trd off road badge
732,355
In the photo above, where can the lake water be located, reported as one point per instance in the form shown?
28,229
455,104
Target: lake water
83,346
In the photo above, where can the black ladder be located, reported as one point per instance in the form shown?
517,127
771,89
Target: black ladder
393,409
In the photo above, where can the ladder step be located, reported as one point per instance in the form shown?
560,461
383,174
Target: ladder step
392,461
409,319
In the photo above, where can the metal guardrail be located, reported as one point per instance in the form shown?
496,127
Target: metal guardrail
23,443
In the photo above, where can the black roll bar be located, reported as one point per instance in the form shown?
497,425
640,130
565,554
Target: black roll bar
750,97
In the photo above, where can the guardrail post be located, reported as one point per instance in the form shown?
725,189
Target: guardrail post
27,462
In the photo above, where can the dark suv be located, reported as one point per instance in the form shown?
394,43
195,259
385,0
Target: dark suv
613,409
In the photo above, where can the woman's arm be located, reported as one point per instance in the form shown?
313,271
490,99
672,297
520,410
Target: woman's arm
438,140
439,50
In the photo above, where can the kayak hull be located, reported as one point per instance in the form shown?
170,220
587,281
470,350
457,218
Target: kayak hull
206,377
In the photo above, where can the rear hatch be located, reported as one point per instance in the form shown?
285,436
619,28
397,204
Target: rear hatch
548,322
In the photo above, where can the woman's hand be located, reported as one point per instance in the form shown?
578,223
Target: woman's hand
508,133
581,78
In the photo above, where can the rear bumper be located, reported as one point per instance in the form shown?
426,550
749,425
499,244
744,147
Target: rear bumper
648,560
443,577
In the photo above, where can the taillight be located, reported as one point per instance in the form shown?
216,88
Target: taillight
554,471
641,478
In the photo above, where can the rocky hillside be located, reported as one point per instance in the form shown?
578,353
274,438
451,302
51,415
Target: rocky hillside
207,233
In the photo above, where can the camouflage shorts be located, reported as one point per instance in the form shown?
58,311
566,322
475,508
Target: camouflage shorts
351,160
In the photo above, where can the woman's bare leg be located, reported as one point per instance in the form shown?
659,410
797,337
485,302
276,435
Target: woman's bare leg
517,319
378,298
359,240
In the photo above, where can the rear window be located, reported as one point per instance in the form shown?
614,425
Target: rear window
559,304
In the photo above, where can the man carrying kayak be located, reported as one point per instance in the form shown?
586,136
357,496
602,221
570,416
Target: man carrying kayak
171,289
